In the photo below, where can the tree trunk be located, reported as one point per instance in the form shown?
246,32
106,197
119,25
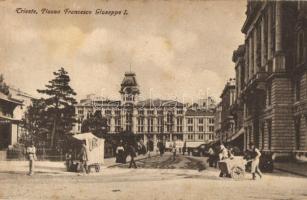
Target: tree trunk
53,133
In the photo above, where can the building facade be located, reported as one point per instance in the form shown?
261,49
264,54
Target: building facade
218,122
151,118
227,119
9,120
271,77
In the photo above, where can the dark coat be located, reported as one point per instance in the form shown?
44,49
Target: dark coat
132,151
150,145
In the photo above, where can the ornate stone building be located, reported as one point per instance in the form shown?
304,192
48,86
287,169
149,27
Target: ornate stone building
151,118
271,76
12,107
227,120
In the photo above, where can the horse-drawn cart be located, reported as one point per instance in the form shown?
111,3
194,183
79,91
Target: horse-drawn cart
233,167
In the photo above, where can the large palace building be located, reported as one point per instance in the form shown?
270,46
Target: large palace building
270,104
151,118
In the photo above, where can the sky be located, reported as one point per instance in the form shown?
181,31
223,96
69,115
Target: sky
178,49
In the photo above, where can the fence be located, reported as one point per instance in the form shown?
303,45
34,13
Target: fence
43,153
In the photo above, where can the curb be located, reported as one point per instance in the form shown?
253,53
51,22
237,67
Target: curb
291,172
119,164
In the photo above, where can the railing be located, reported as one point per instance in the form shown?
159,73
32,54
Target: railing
41,154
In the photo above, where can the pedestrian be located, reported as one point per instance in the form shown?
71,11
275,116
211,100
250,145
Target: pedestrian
120,153
223,154
84,158
161,147
184,148
255,156
216,155
69,161
211,156
31,152
132,153
174,150
150,147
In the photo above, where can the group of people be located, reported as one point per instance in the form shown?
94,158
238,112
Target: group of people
82,160
217,153
220,153
123,150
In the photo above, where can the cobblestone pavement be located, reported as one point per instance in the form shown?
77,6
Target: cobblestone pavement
167,162
179,179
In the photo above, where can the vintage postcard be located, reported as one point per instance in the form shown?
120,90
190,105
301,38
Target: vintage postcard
161,99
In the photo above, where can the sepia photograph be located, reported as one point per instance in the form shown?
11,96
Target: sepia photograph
153,99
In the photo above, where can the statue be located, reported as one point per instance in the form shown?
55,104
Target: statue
4,88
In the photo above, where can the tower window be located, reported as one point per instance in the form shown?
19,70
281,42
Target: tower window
297,89
300,48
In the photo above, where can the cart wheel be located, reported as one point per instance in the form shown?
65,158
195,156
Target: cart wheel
237,172
97,168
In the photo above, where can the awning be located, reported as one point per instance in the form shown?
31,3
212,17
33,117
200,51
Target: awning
237,134
6,119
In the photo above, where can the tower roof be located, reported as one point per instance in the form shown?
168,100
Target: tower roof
129,84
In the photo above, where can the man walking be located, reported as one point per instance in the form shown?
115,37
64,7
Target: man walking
132,153
84,158
184,148
174,149
255,155
31,151
150,147
223,154
161,147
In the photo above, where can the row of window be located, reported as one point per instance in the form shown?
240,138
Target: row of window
170,128
140,112
199,136
200,120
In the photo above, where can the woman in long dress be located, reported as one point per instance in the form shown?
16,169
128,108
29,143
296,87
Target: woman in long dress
120,153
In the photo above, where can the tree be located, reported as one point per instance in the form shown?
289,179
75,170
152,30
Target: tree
36,122
96,124
60,103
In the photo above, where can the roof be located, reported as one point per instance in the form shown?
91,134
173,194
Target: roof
199,112
155,103
229,85
8,99
84,136
129,84
21,93
91,102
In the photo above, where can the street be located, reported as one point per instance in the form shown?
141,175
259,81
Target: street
156,178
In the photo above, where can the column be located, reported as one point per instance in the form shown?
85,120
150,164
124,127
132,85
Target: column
155,141
112,124
279,63
278,24
255,46
14,135
251,61
262,41
246,61
269,35
134,123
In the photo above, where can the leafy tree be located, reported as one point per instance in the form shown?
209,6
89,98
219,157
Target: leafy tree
35,122
96,124
60,103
